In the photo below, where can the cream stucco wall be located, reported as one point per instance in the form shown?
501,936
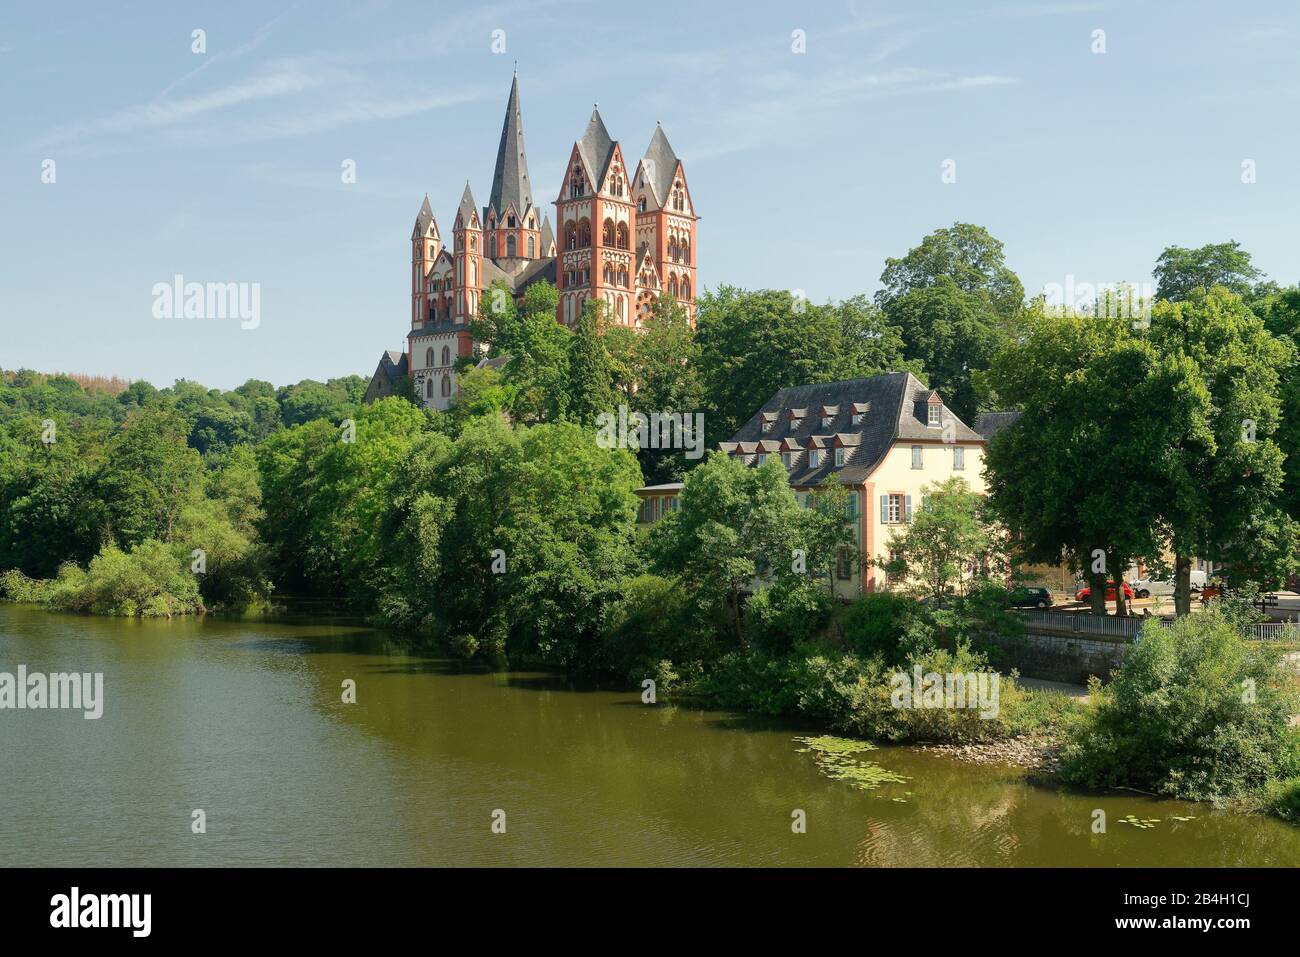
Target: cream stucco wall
895,475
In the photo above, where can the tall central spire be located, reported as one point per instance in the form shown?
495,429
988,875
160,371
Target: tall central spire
510,179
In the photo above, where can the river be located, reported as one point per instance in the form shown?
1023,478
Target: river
244,720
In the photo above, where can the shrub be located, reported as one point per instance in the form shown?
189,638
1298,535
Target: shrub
786,613
879,622
150,580
15,586
1195,712
1282,797
650,623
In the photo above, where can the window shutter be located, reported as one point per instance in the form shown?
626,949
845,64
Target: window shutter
909,509
884,510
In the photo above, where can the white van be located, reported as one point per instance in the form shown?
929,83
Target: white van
1147,587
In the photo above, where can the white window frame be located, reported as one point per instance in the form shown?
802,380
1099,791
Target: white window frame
839,456
933,413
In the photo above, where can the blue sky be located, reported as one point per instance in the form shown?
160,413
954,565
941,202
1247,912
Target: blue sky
808,169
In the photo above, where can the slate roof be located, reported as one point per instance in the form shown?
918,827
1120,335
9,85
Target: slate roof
895,399
510,178
548,236
465,211
989,424
662,162
596,147
424,217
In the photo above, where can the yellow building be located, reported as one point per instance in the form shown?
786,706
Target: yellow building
885,437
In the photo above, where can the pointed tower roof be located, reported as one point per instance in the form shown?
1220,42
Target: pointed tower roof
548,237
425,216
596,146
510,179
660,164
465,211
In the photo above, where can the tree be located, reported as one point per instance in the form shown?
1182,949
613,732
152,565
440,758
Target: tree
753,343
947,540
955,301
665,370
1179,271
538,370
1079,473
965,254
734,524
1231,477
591,383
150,476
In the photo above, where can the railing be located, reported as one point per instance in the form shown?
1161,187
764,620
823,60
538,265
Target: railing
1131,627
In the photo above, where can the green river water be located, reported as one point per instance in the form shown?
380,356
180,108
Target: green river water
244,720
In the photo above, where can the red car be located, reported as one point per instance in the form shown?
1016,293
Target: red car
1085,592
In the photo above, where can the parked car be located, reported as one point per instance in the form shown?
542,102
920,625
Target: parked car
1085,592
1146,587
1030,598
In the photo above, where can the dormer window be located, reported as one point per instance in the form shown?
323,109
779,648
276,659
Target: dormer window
814,458
760,458
839,456
767,426
932,414
857,418
826,421
795,423
787,459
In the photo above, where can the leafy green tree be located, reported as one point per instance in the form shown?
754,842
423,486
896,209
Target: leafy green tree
965,255
956,302
1224,481
734,524
538,370
591,381
753,343
150,476
948,539
1179,271
664,366
1079,474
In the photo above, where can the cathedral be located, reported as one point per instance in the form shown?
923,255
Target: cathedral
625,236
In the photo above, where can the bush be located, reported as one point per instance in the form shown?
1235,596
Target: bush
792,610
151,580
883,623
652,623
1282,797
15,586
1195,712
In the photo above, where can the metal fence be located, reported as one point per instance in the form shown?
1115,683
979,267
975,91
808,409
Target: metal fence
1112,626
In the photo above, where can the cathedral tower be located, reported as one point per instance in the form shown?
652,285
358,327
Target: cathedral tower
512,224
597,218
665,227
468,236
425,246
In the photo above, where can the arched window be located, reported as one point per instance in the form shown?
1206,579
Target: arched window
622,308
577,184
428,388
571,236
686,250
672,286
584,233
607,233
622,236
609,275
510,246
428,356
510,220
473,243
473,273
672,248
446,385
532,248
492,246
446,356
686,288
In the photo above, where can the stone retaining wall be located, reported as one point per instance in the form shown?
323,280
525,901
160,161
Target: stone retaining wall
1059,657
